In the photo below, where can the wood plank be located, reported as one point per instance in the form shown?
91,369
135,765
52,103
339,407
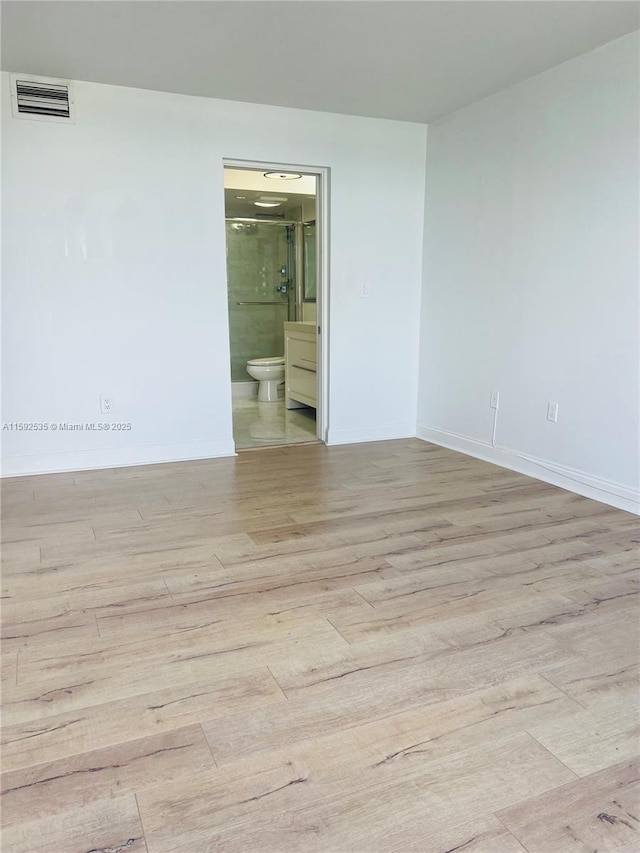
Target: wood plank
105,826
69,721
599,812
590,740
48,789
325,693
288,801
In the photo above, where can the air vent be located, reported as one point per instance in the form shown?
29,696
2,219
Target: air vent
42,98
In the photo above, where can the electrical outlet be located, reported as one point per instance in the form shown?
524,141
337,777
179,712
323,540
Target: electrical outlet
495,400
552,412
365,291
106,403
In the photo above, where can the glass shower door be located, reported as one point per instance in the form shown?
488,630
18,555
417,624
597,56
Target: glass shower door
258,291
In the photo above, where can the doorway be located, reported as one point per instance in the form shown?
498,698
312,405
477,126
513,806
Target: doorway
276,269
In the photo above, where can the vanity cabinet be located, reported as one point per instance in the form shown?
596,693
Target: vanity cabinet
300,365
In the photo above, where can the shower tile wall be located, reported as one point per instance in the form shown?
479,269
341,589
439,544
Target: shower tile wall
255,253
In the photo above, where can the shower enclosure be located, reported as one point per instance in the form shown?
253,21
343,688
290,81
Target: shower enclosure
265,276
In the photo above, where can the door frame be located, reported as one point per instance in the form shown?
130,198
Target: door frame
322,174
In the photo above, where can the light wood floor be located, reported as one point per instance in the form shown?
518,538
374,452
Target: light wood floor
382,647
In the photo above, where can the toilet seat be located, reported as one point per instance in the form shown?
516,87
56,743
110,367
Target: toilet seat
266,362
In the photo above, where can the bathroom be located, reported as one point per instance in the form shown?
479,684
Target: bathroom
272,279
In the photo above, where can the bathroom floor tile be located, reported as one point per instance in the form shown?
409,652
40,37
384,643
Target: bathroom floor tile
266,424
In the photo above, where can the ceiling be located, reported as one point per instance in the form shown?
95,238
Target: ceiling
413,61
243,205
243,187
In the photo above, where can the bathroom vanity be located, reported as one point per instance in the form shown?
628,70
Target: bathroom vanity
300,365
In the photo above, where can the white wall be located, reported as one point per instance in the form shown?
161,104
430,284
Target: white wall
114,271
531,276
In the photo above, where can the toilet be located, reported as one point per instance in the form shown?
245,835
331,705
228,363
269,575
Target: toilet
270,374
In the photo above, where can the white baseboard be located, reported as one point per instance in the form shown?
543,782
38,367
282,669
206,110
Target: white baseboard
247,389
87,460
357,435
579,482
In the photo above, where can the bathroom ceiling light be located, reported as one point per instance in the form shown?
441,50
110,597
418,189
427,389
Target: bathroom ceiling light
270,201
283,176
